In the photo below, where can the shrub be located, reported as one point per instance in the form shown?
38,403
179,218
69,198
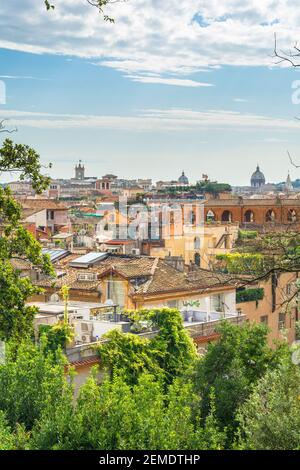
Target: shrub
250,295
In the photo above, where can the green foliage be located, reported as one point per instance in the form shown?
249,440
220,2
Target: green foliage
240,382
168,354
297,328
30,381
231,367
16,318
270,418
99,4
250,295
213,188
241,263
128,354
116,416
48,5
7,439
247,234
25,161
17,244
56,336
279,250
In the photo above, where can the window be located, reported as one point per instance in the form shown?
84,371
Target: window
226,216
173,303
292,215
197,259
115,290
211,216
217,303
288,289
270,216
197,243
264,319
87,277
50,215
281,321
249,216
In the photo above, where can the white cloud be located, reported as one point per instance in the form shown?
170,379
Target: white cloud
240,100
162,37
19,77
151,120
168,81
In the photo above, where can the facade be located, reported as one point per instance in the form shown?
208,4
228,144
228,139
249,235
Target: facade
104,184
21,188
276,309
263,211
198,248
133,282
46,214
132,192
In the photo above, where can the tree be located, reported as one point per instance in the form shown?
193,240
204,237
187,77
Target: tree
17,244
30,381
167,355
99,4
117,416
3,129
260,258
128,355
231,367
7,440
270,418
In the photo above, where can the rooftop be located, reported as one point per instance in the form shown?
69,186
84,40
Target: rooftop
147,275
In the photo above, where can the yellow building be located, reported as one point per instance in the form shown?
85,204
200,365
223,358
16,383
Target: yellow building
278,309
199,246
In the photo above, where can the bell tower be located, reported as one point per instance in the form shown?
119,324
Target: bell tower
79,171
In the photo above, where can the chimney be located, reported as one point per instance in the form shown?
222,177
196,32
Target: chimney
176,262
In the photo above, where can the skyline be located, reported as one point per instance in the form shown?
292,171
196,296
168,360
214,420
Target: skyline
153,105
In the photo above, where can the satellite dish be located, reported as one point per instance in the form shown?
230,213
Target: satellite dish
54,298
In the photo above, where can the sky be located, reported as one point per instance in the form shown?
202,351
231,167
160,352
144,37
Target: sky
170,86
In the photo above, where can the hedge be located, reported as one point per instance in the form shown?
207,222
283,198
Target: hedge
250,295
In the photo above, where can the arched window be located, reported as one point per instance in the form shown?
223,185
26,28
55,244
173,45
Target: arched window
210,216
292,216
197,243
227,216
197,259
270,216
249,216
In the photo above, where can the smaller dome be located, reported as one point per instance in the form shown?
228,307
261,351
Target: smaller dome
258,178
183,179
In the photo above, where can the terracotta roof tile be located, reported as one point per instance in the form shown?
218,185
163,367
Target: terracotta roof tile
152,275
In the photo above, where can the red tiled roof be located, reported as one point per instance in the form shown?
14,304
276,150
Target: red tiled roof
147,276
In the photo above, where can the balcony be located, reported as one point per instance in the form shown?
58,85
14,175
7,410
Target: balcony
203,324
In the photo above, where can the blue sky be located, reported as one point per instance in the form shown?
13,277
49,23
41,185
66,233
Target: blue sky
148,97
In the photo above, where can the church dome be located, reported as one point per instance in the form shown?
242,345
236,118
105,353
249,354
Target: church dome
258,178
183,179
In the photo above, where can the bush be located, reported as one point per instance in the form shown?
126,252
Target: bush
270,418
167,355
250,295
57,336
247,234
